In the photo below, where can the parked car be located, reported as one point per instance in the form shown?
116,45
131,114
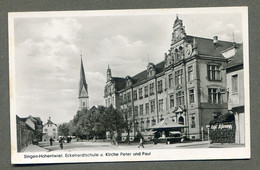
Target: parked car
35,142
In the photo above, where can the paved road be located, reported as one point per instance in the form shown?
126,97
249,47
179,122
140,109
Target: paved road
95,146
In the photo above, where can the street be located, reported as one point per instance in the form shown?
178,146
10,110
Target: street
106,145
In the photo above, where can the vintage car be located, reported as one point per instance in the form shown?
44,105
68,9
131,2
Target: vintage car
173,137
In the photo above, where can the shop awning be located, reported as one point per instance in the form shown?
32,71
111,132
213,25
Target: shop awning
167,124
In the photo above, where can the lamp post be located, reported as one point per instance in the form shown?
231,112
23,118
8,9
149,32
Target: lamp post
208,126
202,133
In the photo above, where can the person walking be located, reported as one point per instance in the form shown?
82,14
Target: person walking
61,143
141,142
51,141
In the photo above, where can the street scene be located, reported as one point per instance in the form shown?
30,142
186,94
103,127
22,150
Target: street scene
86,88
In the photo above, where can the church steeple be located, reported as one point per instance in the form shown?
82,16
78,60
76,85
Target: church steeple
109,74
83,89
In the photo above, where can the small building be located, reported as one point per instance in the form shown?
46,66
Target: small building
235,88
50,130
29,131
25,132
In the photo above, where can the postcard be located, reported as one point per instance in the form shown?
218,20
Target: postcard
129,85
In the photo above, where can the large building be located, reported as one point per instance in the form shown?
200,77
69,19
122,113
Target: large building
187,87
83,89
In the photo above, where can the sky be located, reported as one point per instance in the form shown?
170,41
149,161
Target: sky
48,49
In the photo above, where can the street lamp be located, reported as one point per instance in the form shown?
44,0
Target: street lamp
208,126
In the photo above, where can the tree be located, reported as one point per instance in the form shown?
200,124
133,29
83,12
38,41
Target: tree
64,129
128,124
112,120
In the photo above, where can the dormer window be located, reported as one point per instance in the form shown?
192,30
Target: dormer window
128,81
151,70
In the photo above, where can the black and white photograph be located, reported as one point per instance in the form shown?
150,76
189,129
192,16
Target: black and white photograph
129,85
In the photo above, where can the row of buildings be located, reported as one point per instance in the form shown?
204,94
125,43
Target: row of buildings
198,79
31,130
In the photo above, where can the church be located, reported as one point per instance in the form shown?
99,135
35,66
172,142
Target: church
187,87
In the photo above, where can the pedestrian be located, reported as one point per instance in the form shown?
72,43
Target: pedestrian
141,142
115,139
61,143
51,140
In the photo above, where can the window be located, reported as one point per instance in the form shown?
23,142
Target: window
152,106
142,126
171,101
235,83
193,121
170,81
108,101
54,129
146,91
181,120
129,97
141,109
191,95
214,96
83,104
153,122
125,98
140,93
161,105
160,86
135,95
180,98
178,77
190,73
147,123
45,130
130,111
214,72
147,108
152,89
136,110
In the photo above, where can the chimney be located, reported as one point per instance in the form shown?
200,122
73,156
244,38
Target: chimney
215,40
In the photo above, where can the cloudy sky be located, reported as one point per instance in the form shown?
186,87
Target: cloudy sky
48,48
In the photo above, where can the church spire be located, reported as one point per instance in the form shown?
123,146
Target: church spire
83,88
109,74
82,82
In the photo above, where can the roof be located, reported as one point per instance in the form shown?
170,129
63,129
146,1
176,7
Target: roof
49,122
237,59
206,46
82,82
167,124
120,83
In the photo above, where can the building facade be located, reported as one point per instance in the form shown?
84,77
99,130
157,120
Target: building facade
187,87
50,130
29,131
83,89
236,96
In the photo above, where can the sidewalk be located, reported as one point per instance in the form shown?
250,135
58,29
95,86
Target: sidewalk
35,148
192,143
